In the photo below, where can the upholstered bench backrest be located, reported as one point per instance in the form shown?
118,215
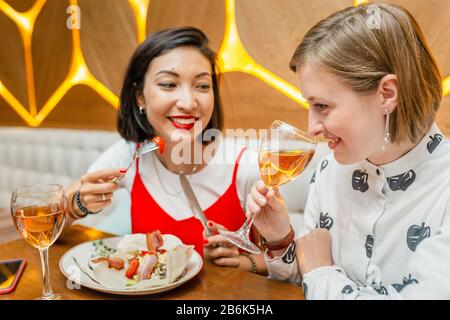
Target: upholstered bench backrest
29,156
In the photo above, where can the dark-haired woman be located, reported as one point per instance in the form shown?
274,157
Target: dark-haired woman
171,91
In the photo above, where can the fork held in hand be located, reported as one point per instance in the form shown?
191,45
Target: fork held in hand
145,148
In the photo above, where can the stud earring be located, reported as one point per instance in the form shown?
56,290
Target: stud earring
387,135
141,110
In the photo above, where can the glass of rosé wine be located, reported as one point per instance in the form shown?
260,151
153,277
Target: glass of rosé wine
284,153
39,213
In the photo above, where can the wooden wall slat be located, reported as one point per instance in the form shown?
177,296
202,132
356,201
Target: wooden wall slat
108,39
51,48
12,62
270,31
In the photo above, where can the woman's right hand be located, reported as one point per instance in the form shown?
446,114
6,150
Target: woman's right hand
96,189
270,212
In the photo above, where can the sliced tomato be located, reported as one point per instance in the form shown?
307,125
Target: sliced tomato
132,268
143,253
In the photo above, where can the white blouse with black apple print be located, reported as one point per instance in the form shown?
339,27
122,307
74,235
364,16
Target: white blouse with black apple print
389,225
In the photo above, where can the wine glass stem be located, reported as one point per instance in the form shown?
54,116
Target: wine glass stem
247,225
47,292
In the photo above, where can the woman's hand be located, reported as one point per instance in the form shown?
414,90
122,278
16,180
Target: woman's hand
96,189
314,250
270,211
219,250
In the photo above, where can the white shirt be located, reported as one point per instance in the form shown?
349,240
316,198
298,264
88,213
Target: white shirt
389,226
164,186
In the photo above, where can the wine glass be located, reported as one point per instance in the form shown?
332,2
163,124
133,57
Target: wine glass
39,213
284,153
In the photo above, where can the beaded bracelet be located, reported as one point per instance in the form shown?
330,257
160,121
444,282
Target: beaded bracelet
252,261
71,208
81,207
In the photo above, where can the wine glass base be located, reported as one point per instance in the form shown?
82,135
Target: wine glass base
53,297
238,240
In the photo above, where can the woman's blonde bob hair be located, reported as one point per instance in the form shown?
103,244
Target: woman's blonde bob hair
363,44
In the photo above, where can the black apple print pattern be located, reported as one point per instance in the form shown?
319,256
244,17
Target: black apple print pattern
416,234
402,181
399,286
379,288
325,221
347,289
313,178
323,165
369,246
435,140
289,256
359,180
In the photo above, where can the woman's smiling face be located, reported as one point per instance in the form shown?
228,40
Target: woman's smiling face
352,123
178,92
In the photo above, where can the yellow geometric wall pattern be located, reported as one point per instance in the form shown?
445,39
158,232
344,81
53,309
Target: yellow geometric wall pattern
233,57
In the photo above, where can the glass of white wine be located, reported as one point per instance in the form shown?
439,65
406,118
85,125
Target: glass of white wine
284,153
39,213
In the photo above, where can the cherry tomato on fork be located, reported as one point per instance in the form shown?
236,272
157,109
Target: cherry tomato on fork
160,143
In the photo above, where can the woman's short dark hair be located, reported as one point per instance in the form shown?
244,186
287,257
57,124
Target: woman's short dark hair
134,126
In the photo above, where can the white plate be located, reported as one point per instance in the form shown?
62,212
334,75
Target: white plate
82,253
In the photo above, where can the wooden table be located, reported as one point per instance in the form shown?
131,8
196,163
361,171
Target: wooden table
212,282
8,231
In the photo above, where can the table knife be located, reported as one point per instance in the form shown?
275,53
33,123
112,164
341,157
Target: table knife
194,204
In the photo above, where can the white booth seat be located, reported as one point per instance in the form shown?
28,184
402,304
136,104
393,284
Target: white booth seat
31,155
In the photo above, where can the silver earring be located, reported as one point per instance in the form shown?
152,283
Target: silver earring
141,110
387,135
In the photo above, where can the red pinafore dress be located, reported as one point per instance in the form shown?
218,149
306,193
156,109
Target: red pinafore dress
147,215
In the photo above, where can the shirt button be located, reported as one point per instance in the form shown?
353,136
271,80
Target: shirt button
378,172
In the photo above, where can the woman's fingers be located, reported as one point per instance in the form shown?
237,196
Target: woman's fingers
217,241
101,175
223,252
275,201
91,198
252,206
215,226
98,188
261,187
227,262
97,206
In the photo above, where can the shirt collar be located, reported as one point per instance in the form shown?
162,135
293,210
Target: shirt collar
410,160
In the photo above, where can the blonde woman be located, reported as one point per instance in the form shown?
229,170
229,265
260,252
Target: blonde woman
377,220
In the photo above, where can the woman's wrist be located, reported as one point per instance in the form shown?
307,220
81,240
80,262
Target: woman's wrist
73,209
247,262
277,239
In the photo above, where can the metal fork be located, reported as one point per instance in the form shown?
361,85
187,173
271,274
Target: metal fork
143,149
84,271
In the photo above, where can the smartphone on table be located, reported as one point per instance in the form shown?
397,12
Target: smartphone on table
10,272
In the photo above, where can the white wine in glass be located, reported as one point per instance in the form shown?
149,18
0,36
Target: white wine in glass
39,213
280,167
283,155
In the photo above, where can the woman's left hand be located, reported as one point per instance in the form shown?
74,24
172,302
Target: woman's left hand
314,250
219,250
